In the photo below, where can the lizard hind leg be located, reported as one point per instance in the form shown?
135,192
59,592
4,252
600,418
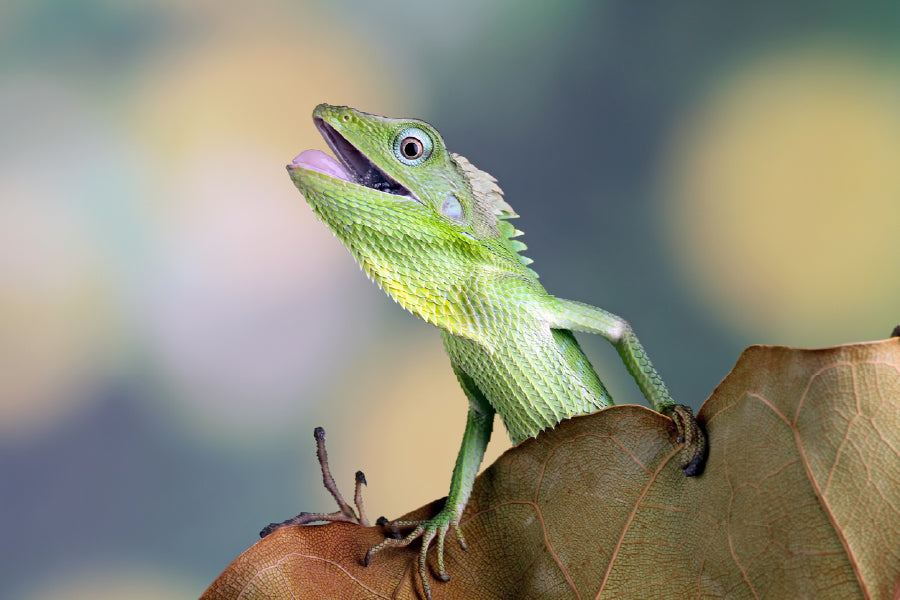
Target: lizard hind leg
344,512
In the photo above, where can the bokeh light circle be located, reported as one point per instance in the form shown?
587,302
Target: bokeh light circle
783,197
60,328
400,418
249,305
110,581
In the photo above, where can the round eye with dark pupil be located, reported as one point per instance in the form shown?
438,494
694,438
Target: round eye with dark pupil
412,148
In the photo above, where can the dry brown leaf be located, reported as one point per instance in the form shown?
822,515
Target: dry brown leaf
800,499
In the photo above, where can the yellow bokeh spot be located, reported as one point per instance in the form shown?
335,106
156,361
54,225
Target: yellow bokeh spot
783,198
110,581
401,419
258,86
251,303
58,331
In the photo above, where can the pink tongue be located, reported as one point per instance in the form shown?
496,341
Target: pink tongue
317,160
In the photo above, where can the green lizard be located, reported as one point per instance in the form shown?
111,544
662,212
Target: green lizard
433,231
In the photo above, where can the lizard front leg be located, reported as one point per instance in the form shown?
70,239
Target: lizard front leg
590,319
479,424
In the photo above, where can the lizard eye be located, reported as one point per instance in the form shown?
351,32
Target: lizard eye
412,146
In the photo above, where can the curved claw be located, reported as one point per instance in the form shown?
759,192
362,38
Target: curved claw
459,536
690,433
441,534
428,530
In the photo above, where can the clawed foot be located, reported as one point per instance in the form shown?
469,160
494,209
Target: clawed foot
428,530
344,512
693,457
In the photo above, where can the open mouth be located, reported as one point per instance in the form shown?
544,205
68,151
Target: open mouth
354,166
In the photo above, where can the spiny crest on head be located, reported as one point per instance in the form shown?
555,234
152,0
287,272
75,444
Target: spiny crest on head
489,203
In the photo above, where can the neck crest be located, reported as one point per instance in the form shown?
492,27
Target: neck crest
489,202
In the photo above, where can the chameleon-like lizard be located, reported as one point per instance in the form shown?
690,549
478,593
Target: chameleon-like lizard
433,231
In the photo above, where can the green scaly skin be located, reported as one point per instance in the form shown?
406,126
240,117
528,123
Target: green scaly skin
433,231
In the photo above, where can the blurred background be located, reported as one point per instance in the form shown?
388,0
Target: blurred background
174,322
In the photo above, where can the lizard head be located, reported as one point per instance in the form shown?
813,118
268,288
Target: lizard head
419,219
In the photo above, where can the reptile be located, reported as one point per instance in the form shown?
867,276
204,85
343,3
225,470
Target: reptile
434,232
